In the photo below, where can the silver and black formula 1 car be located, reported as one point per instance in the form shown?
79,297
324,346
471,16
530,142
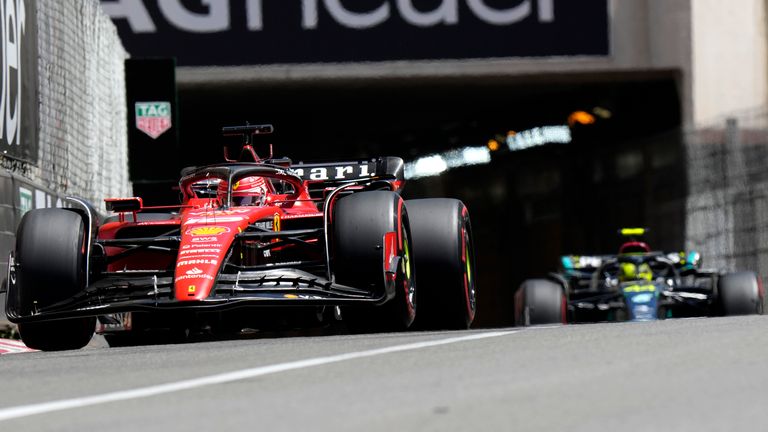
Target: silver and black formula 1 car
256,243
636,284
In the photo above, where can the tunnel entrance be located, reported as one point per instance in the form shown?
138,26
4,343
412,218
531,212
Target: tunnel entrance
527,207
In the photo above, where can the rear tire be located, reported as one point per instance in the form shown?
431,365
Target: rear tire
540,301
50,253
360,222
442,239
740,294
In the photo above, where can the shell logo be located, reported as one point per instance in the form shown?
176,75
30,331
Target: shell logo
207,231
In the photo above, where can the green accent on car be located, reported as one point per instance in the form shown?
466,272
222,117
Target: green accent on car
407,262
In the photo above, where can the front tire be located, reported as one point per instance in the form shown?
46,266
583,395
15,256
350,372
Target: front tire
740,294
442,238
540,301
360,223
51,265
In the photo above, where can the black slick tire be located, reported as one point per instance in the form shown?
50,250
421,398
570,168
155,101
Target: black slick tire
539,301
442,241
50,253
360,222
740,293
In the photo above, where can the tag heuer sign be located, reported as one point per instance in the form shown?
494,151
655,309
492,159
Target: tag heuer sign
153,118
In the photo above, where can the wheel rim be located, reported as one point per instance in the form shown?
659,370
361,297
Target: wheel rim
410,290
469,282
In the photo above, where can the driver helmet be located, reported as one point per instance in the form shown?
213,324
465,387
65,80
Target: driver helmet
248,191
632,272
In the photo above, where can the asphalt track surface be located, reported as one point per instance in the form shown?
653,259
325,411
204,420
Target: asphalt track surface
675,375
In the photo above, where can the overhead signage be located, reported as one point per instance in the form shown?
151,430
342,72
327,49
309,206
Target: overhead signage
18,79
229,32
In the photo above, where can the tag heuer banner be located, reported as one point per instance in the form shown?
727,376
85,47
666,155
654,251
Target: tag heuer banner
153,118
206,32
18,79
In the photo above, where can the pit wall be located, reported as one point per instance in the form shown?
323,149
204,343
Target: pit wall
74,141
727,204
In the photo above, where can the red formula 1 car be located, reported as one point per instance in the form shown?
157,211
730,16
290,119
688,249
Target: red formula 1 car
256,243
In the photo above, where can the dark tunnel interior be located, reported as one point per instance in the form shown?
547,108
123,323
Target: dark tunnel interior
527,207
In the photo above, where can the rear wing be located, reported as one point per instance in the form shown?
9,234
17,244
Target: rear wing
319,176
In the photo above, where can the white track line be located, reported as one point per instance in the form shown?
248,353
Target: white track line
64,404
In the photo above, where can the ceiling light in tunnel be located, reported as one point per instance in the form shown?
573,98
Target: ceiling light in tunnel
437,164
425,167
580,117
474,156
602,112
539,136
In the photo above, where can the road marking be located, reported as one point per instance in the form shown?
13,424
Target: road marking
65,404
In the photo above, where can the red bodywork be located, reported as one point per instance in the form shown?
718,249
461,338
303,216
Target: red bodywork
207,230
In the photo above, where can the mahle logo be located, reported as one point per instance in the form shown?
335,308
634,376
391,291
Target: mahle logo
153,118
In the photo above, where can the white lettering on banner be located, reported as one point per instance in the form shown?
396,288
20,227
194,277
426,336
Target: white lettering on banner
216,20
447,13
497,17
132,11
254,16
219,15
14,16
346,18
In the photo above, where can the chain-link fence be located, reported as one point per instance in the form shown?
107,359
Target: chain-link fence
83,137
727,208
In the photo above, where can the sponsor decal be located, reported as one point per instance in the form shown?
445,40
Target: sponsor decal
18,79
264,225
301,215
276,222
214,218
191,289
640,288
194,271
186,277
196,261
206,241
360,31
203,245
215,213
207,231
153,118
200,251
641,298
340,172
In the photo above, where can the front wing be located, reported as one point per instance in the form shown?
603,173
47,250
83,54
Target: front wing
151,291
